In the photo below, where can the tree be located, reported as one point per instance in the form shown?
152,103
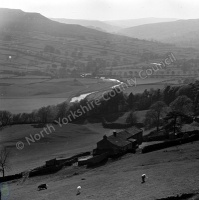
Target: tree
156,112
173,121
180,107
5,117
62,109
131,118
169,94
182,104
43,114
4,160
131,101
149,120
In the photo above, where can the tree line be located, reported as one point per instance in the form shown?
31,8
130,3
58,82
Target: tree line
176,100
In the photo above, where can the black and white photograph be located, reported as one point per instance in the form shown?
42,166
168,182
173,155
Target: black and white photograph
99,100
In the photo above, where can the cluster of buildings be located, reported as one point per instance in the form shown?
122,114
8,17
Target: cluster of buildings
120,142
115,145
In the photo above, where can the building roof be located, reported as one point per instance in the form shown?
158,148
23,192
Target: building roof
118,141
132,140
133,130
123,137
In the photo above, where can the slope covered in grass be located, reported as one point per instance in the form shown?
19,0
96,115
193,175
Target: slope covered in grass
62,141
170,172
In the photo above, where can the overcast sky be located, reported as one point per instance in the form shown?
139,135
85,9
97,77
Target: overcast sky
108,9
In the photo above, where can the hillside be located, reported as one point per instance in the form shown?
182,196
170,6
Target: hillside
25,36
17,20
95,24
36,28
65,141
181,32
113,26
170,172
137,22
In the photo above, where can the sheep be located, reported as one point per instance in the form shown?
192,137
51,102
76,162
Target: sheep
78,190
143,178
42,187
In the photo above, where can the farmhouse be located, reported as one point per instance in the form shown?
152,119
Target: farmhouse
120,142
136,134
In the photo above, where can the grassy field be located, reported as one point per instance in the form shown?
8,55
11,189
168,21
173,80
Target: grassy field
170,172
64,141
25,95
32,92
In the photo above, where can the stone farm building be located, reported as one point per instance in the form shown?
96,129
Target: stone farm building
120,142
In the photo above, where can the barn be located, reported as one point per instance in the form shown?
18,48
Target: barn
119,142
136,133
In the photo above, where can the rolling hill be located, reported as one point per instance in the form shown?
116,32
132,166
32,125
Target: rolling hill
17,20
24,37
33,31
61,141
170,172
94,24
181,32
137,22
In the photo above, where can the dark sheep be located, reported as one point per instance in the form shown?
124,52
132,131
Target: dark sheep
42,187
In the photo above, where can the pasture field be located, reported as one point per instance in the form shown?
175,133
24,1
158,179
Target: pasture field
27,94
32,92
138,86
170,172
141,88
62,141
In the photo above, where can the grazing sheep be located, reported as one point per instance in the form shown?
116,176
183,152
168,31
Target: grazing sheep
78,190
42,187
143,178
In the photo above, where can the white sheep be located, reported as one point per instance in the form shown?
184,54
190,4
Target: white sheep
79,190
143,178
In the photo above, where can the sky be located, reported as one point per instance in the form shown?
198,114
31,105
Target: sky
108,9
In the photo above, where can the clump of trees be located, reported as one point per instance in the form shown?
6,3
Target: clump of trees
5,118
131,118
155,115
170,117
180,110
